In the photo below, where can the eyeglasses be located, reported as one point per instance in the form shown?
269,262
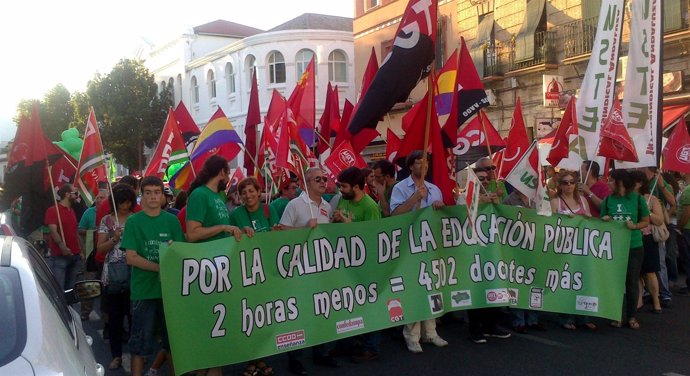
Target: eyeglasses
74,193
320,179
487,169
567,182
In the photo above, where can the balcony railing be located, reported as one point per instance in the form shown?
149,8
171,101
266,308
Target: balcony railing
544,51
578,37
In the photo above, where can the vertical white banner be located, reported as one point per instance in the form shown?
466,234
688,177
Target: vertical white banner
642,77
597,90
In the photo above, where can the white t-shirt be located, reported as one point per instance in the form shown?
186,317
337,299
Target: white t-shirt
299,211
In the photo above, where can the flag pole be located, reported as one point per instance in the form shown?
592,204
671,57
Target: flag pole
429,104
304,179
112,198
246,154
57,208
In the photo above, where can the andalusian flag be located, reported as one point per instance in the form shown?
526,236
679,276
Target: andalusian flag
91,168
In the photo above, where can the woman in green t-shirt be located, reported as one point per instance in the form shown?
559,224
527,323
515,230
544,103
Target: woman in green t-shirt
253,215
625,205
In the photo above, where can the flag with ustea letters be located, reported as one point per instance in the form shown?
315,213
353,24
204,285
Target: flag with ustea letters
91,168
676,153
615,142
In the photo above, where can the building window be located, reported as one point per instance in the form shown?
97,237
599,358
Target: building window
161,88
369,4
171,89
250,65
337,66
230,78
302,61
276,68
211,82
179,88
195,90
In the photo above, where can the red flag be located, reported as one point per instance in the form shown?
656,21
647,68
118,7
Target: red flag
518,142
188,128
63,170
330,119
266,159
561,141
276,109
236,177
441,163
343,133
676,153
302,105
91,168
170,149
343,157
471,93
253,119
476,139
369,73
413,123
393,143
615,142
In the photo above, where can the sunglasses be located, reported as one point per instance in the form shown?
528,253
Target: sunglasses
482,178
490,168
320,179
567,182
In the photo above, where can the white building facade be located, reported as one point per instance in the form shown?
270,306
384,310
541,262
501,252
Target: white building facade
209,71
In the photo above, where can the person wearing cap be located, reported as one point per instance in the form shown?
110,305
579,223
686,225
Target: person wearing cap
167,204
288,191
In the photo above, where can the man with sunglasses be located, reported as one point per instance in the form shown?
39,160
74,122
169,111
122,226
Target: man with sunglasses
308,210
410,194
65,254
493,186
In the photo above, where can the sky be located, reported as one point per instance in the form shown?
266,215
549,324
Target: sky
67,42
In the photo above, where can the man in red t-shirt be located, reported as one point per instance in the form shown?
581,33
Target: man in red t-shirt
65,253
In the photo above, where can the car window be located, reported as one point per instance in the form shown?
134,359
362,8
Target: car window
47,282
12,316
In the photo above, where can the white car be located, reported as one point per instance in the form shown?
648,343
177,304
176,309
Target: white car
40,334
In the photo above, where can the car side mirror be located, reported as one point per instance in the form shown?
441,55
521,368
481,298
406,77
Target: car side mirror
84,290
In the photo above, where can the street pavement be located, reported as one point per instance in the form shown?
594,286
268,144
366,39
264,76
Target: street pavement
660,347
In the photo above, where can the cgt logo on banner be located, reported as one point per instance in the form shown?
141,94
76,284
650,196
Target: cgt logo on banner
395,310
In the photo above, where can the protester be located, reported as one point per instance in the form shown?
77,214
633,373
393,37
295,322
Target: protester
142,236
180,200
309,209
684,226
115,268
668,253
357,206
167,205
567,200
593,188
650,261
494,186
288,191
369,180
92,269
625,205
66,260
384,180
253,215
483,322
410,194
207,216
523,318
233,198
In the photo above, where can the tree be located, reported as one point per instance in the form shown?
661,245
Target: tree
55,110
130,110
80,104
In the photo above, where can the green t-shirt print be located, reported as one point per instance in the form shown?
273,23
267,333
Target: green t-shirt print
630,207
365,209
257,220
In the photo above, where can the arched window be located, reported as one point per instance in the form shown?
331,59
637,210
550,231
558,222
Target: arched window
302,61
195,90
337,66
171,89
250,65
161,88
179,88
276,68
230,78
211,82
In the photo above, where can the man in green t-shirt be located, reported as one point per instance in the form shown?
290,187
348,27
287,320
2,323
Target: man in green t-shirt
207,216
357,206
493,186
143,235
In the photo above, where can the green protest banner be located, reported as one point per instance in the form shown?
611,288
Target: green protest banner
227,301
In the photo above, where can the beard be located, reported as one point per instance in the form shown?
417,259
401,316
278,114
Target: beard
348,195
222,185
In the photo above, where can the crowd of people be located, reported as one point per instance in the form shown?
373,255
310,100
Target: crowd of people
130,220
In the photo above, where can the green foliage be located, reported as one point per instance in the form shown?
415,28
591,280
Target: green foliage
55,111
130,111
80,104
